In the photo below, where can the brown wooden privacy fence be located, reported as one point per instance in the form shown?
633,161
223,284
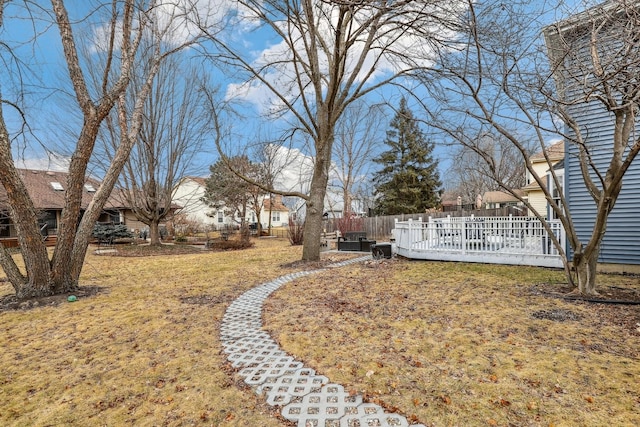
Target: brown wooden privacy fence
379,227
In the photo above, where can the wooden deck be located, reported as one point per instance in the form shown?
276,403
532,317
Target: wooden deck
493,240
12,242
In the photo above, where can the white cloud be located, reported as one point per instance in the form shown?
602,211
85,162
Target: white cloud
176,22
51,163
278,70
293,169
294,172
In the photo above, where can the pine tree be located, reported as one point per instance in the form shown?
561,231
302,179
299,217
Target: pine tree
409,181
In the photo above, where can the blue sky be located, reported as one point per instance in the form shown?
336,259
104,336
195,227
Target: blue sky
47,75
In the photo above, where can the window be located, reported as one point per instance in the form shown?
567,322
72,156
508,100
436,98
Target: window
90,188
57,186
113,217
275,216
556,192
5,224
47,221
220,216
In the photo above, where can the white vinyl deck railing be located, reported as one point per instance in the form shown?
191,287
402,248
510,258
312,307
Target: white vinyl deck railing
498,240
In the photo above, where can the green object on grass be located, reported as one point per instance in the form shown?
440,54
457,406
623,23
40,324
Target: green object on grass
72,298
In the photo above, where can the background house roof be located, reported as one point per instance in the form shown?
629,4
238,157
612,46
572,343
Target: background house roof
197,179
534,185
277,204
500,197
45,196
555,153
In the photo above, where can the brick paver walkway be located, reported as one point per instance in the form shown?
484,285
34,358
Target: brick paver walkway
303,397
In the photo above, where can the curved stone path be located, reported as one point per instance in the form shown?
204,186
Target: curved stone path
303,396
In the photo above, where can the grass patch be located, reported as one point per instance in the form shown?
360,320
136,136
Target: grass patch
468,344
139,347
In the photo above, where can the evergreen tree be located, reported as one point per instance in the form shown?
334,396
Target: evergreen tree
227,191
409,181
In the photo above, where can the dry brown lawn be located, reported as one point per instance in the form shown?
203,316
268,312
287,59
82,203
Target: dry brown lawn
445,344
142,351
452,344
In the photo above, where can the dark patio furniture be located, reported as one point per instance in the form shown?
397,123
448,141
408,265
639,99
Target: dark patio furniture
355,241
381,250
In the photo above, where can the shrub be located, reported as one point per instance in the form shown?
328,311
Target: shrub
349,223
296,232
229,245
107,233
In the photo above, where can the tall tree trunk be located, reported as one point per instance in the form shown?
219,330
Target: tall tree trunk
25,218
270,213
154,233
586,269
346,199
62,275
315,203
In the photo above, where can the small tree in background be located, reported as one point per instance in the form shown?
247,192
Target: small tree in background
226,190
349,223
296,232
107,233
409,181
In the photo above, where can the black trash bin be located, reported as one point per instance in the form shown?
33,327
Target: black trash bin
381,250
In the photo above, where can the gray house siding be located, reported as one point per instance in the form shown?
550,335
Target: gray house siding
621,244
568,45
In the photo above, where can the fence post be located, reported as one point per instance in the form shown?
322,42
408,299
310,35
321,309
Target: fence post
396,233
463,235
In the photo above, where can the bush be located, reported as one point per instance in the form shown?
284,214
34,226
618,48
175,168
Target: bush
349,223
107,233
296,232
229,245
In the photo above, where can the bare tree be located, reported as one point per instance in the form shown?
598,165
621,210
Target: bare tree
470,174
502,79
124,27
170,140
331,54
356,139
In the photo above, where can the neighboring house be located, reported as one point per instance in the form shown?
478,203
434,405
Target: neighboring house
501,199
191,190
279,212
188,194
120,203
532,190
573,80
47,191
450,201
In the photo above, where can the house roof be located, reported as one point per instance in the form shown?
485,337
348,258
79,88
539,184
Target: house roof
277,204
47,189
555,153
533,185
197,179
500,196
449,198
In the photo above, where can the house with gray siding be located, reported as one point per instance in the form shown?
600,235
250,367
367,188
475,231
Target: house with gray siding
579,84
